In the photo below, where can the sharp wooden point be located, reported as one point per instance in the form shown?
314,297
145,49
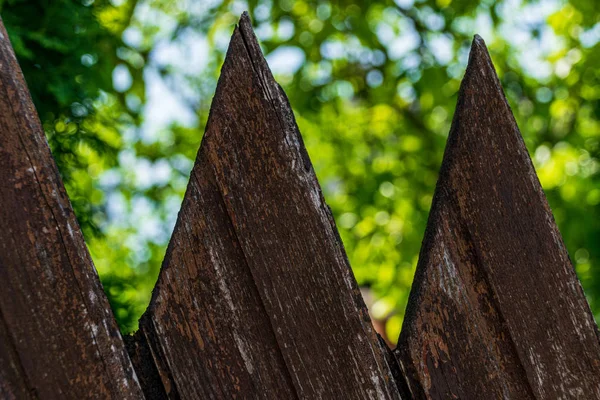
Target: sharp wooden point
245,20
252,46
480,87
479,59
478,40
245,28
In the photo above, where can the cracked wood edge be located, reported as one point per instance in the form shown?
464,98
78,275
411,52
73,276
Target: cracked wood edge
256,297
496,310
58,337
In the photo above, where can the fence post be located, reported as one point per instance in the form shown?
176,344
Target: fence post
496,310
58,337
256,297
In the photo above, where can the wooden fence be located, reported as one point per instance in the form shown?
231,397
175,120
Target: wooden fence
256,298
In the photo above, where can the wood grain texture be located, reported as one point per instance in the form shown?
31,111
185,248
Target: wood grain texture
256,298
496,310
58,337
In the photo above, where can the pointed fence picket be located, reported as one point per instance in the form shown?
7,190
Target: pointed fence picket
256,298
58,337
496,310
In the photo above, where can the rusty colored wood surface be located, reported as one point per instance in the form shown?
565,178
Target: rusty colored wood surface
58,337
255,298
496,310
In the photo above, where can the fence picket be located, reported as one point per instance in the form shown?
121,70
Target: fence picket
58,337
256,297
496,310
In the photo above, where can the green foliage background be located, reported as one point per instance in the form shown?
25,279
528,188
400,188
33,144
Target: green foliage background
374,95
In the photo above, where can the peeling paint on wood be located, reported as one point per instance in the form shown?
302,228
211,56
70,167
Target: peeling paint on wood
496,310
58,337
256,298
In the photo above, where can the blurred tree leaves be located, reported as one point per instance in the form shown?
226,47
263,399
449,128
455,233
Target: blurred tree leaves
373,86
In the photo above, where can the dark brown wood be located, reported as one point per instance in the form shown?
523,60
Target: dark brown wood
256,298
58,337
496,310
146,369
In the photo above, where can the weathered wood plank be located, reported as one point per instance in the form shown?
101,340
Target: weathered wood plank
496,310
58,337
256,298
